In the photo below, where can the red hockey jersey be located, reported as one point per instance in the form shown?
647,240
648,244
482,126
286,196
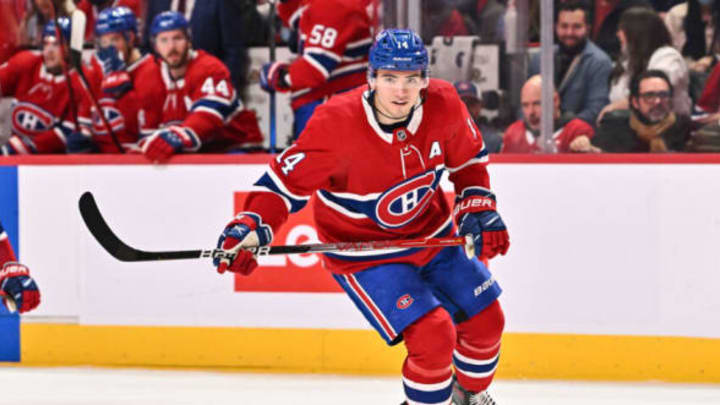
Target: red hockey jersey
204,101
371,185
42,115
121,114
335,38
518,139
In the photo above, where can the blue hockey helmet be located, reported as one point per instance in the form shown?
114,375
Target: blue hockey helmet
63,23
168,21
115,19
398,49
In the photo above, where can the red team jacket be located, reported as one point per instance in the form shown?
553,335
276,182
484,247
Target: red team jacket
370,185
42,113
334,40
518,139
203,101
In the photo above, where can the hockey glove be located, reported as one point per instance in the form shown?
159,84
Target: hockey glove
16,283
273,77
475,214
246,229
164,143
78,142
110,59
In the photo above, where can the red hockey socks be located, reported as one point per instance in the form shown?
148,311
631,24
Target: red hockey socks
478,348
427,371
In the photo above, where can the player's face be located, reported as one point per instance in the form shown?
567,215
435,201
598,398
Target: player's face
173,47
654,99
396,92
116,40
52,55
571,28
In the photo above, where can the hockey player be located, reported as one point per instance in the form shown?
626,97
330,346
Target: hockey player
116,65
373,157
15,280
42,117
334,39
193,101
93,9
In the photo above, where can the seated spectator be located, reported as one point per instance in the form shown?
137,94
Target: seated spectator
191,103
469,95
646,45
692,28
44,114
581,68
523,136
709,101
650,125
606,34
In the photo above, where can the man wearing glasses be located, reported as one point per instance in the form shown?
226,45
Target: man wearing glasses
650,125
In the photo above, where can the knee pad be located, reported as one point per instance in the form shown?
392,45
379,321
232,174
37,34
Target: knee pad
484,330
430,340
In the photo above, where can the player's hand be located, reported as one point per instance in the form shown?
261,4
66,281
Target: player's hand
488,231
164,143
78,142
117,84
17,146
273,77
246,229
110,59
16,283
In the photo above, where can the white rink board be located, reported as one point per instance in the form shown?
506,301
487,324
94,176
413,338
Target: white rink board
596,249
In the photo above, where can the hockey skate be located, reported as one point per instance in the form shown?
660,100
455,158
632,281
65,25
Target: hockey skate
461,396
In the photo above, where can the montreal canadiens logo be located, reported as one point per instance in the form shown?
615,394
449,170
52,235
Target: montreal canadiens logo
29,119
404,301
114,118
402,203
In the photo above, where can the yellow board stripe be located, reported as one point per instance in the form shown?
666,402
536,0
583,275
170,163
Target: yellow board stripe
524,355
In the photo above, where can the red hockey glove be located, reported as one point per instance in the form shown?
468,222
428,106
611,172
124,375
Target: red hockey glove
273,77
16,283
164,143
475,215
247,229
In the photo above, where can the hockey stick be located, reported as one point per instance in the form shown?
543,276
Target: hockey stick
118,249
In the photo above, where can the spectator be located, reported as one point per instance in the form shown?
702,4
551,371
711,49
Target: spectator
692,28
646,45
606,34
442,19
581,68
650,125
709,100
571,135
485,16
92,8
191,103
44,115
333,47
469,95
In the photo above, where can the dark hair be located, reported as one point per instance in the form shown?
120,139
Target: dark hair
637,79
573,5
694,26
645,32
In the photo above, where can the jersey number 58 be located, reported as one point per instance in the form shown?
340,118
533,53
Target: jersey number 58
322,35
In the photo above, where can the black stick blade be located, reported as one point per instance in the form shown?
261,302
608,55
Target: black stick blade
112,244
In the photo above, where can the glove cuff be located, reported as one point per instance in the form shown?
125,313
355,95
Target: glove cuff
474,199
255,223
13,269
